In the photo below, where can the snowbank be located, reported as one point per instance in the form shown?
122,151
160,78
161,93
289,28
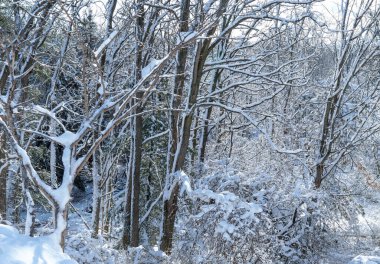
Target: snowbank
365,260
20,249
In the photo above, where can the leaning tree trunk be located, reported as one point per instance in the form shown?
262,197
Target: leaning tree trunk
170,202
171,199
205,125
171,192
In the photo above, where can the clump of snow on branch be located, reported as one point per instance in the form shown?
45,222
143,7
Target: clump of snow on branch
105,43
150,67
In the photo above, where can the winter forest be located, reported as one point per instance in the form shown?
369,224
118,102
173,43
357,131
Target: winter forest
189,131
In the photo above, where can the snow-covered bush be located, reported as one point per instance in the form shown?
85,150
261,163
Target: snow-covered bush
84,249
231,217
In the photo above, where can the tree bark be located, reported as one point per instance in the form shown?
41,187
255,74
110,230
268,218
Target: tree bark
138,130
205,128
3,177
170,205
171,199
126,239
96,196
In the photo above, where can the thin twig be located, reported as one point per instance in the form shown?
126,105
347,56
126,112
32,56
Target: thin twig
84,221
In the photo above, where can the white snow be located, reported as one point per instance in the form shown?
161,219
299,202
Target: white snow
3,98
62,195
150,67
43,110
20,249
66,139
365,260
2,111
105,43
100,90
224,226
186,36
207,6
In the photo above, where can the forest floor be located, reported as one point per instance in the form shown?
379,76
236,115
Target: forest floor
361,246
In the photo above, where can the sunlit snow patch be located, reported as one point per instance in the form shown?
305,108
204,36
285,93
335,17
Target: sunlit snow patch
365,260
20,249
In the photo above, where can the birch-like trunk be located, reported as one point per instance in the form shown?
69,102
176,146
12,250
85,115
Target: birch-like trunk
29,204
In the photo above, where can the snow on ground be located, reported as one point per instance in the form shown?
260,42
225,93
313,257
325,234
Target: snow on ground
365,260
360,246
20,249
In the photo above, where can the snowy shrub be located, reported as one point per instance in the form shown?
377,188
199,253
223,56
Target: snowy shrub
218,225
146,255
85,249
230,217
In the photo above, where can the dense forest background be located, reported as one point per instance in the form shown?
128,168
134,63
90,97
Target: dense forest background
190,131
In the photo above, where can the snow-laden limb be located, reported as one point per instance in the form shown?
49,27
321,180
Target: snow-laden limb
150,209
185,36
105,43
150,67
121,100
67,138
48,113
16,248
155,136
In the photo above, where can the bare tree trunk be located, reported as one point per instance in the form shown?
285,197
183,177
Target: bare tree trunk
3,177
108,206
15,199
96,197
29,203
61,215
126,238
135,195
170,203
179,83
171,198
205,127
111,5
194,139
138,129
328,126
